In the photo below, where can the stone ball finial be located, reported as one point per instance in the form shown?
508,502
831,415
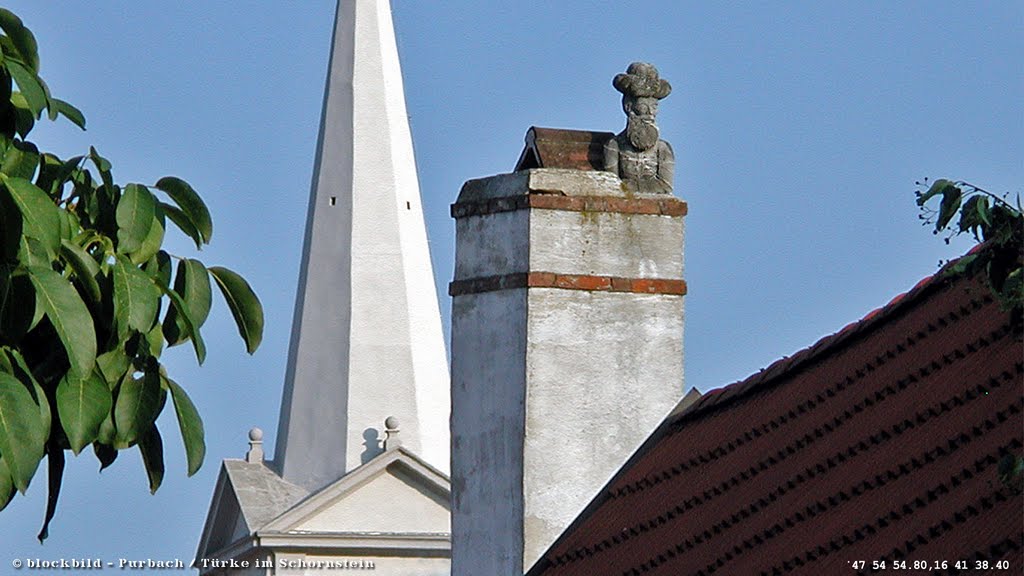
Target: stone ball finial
255,453
391,433
641,80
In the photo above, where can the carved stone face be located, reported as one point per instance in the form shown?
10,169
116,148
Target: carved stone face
642,108
641,131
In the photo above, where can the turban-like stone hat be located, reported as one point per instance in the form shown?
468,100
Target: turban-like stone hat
641,81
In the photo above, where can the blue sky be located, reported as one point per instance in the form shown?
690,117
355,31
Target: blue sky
799,130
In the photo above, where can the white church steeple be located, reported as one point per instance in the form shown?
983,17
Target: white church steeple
366,338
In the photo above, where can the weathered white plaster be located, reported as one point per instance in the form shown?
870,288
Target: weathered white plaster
553,389
547,181
603,370
488,424
386,503
396,492
492,244
366,339
607,244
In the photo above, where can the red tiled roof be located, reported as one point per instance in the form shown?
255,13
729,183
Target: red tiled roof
880,442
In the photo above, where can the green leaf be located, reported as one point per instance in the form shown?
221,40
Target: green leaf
10,226
31,87
244,304
107,434
24,118
6,89
961,265
51,174
84,266
105,215
135,216
39,214
20,370
971,214
193,284
22,435
69,112
69,225
7,490
951,198
34,253
55,476
136,299
152,242
1013,286
21,160
159,268
191,426
1005,223
69,316
21,38
937,187
51,110
183,313
17,305
103,165
155,341
983,211
113,365
82,404
183,223
70,167
136,407
190,203
151,446
6,365
105,453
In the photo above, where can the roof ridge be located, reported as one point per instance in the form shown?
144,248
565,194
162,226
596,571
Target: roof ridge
827,344
811,402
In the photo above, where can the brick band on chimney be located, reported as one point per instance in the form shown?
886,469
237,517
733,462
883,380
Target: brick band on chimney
669,206
567,282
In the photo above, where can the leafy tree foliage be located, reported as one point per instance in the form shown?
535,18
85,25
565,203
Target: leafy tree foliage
993,221
89,298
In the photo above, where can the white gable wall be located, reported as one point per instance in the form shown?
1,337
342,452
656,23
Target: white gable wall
385,503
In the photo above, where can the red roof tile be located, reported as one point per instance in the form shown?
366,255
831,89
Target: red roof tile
561,148
878,443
